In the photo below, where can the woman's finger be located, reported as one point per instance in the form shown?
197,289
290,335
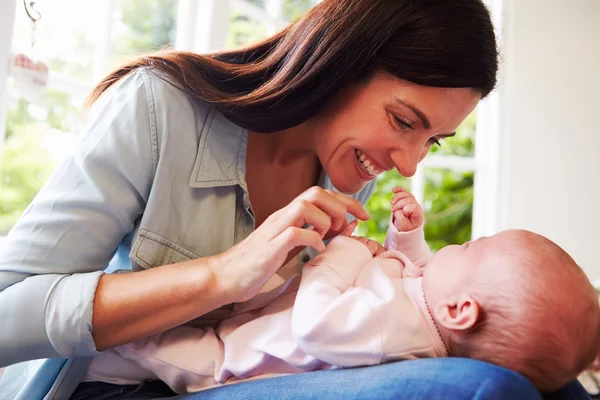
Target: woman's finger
326,202
324,210
297,214
304,212
336,205
325,199
353,206
294,237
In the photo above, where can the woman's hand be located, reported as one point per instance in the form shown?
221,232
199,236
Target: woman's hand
242,270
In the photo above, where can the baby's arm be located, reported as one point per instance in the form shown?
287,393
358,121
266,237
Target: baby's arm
405,232
331,319
183,357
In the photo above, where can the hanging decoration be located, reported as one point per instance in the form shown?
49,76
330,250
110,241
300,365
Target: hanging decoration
30,76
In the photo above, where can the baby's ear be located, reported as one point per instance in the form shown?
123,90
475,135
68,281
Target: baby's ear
458,314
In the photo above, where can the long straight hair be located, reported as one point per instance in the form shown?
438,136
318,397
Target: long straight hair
286,79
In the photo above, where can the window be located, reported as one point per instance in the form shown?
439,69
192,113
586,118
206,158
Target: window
79,47
254,20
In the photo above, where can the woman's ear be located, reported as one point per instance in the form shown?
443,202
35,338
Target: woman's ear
459,314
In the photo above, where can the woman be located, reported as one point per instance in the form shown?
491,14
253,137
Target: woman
197,174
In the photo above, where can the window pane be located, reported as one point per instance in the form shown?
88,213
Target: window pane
141,26
41,132
243,30
260,3
64,36
448,206
463,144
38,135
293,9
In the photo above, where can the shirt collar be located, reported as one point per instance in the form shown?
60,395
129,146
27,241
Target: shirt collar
415,291
413,278
221,156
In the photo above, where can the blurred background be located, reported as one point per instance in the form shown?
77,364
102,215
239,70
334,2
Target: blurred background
525,158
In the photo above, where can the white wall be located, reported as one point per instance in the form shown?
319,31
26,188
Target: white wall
550,124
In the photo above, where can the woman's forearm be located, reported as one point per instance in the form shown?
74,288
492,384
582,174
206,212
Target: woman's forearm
136,305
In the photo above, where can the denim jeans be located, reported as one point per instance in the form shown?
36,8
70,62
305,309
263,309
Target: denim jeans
431,379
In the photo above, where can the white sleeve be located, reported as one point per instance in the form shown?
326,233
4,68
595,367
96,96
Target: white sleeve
331,319
412,244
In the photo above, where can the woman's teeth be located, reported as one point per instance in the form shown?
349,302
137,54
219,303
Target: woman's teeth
366,165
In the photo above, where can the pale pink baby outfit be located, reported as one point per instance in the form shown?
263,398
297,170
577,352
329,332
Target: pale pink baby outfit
349,309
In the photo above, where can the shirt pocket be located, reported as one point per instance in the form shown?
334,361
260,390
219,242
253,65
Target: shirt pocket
152,250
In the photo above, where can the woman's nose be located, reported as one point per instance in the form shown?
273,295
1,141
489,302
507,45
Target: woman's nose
406,162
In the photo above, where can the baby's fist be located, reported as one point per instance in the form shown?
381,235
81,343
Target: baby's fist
406,211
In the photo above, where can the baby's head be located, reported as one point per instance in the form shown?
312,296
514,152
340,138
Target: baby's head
517,300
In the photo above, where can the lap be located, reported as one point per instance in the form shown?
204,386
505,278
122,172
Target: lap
435,378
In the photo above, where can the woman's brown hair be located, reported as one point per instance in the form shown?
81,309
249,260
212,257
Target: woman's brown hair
288,78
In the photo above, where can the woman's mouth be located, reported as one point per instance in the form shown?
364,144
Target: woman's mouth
366,166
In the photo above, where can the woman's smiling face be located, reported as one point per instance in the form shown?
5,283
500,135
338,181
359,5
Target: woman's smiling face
385,123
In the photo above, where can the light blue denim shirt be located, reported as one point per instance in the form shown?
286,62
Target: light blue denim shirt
157,178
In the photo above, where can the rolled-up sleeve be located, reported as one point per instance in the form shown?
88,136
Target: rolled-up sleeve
51,261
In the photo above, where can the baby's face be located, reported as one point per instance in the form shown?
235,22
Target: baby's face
452,265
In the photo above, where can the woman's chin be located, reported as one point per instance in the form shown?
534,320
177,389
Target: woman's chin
347,185
350,180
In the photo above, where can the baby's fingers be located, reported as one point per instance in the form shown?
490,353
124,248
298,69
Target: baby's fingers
402,195
373,246
399,189
350,228
401,204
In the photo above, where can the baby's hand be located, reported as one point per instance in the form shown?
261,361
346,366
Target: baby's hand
374,247
407,212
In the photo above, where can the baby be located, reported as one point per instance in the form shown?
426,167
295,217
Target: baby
514,299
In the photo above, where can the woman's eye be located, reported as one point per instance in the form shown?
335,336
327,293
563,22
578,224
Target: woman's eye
402,124
435,141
